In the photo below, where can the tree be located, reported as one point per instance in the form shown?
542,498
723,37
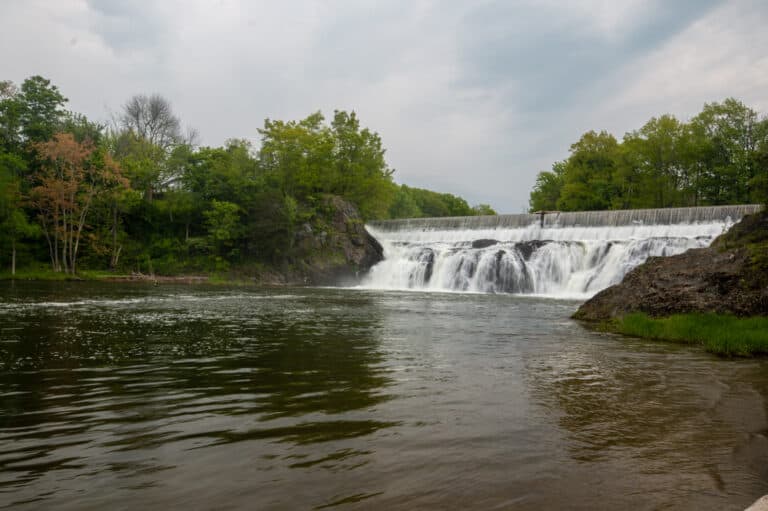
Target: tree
404,205
308,158
221,222
547,189
14,224
225,173
659,172
434,204
70,176
7,89
271,217
483,209
151,118
361,172
298,155
148,136
10,117
728,146
142,162
41,109
759,183
588,178
82,128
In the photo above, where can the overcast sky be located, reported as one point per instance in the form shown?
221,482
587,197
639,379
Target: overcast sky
470,97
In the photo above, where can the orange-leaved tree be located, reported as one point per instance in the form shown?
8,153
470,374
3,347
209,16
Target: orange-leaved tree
70,175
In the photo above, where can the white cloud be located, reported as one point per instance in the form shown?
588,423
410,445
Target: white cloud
722,55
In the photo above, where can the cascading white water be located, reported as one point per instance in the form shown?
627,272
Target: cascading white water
575,257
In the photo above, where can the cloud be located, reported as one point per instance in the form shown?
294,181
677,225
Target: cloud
546,54
128,25
719,56
471,98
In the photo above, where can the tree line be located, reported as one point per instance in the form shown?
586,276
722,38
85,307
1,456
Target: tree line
720,156
138,194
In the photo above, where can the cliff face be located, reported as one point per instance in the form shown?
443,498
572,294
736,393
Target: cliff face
730,276
334,248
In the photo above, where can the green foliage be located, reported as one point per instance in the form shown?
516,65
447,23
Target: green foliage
759,183
719,157
483,209
308,158
142,162
82,128
549,186
11,107
360,172
588,176
651,171
720,334
139,197
272,218
14,223
417,202
227,173
404,204
222,222
42,109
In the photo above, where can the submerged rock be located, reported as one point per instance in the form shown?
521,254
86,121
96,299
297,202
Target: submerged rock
527,248
484,243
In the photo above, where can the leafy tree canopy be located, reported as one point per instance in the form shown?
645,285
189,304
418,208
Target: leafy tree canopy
718,157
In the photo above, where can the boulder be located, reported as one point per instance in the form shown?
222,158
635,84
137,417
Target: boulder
336,249
729,277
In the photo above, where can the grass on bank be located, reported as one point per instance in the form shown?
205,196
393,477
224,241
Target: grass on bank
245,276
48,274
723,335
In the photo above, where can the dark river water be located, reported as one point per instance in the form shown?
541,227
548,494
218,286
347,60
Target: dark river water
135,397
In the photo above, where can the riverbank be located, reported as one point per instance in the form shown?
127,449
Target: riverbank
333,248
266,278
716,296
717,333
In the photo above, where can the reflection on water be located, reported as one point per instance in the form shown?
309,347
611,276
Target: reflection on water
212,397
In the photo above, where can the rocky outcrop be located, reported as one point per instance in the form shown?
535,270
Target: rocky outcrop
334,248
730,276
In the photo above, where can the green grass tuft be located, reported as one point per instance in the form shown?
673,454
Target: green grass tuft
720,334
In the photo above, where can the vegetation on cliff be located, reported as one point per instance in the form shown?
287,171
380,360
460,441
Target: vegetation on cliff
718,157
139,195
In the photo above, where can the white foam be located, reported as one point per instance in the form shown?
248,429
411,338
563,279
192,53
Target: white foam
567,262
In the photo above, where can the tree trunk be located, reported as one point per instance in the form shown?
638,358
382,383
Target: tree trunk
115,257
51,250
64,262
13,257
115,249
56,261
77,230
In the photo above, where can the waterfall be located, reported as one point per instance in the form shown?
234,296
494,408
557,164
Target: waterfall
568,255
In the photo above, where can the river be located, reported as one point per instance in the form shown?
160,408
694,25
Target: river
120,396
